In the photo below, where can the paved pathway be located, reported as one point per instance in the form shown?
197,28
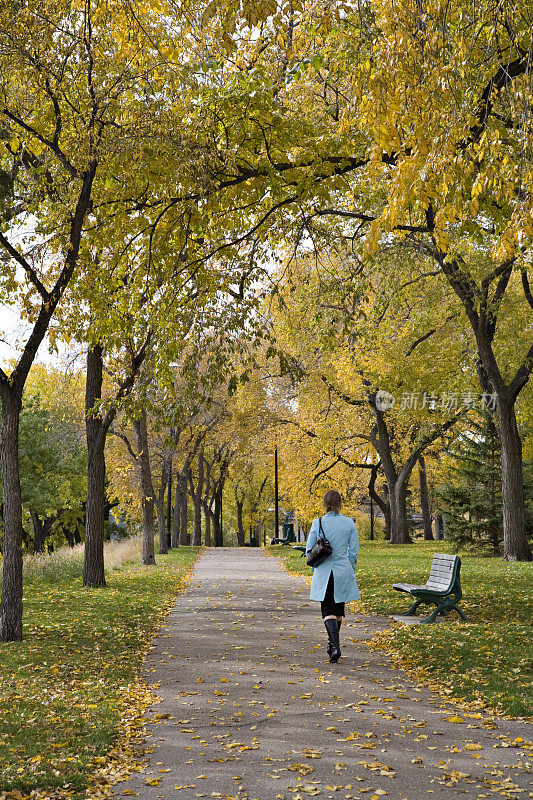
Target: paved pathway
252,708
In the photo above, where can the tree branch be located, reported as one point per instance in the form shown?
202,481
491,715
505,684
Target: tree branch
502,77
54,147
28,269
125,439
526,286
366,218
424,442
522,376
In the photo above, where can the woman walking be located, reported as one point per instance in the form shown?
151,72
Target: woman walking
334,580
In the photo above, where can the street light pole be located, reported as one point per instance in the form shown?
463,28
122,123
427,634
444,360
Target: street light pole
276,498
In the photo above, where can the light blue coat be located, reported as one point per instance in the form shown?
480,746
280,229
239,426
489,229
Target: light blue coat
342,536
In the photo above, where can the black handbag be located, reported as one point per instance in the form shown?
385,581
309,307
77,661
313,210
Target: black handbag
321,550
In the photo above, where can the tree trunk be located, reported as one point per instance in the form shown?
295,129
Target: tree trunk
515,544
38,533
396,487
148,547
176,520
182,482
396,519
382,504
197,530
240,525
398,514
197,501
160,509
386,514
424,498
161,526
140,426
259,531
494,532
93,567
42,530
11,603
67,533
207,523
77,536
218,539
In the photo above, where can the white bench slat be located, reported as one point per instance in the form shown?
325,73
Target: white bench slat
440,576
406,587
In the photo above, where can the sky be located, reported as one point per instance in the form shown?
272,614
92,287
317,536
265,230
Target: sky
11,331
13,335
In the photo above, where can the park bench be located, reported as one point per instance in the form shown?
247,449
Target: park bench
288,535
443,588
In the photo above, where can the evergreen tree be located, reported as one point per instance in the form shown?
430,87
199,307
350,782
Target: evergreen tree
471,502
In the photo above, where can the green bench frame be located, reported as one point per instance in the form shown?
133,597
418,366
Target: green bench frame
443,588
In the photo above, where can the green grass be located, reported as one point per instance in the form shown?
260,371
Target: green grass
487,660
64,688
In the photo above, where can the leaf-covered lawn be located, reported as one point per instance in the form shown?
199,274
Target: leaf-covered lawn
63,690
486,660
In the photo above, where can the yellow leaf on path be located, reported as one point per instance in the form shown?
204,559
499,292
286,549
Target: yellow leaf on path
302,769
454,719
130,792
311,753
472,747
153,781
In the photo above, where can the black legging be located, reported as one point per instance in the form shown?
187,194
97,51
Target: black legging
328,605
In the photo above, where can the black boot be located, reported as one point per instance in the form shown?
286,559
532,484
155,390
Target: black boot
330,647
332,628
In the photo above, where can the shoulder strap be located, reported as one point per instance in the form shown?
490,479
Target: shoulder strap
320,529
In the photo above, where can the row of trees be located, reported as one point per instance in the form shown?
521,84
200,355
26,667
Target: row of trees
213,458
157,159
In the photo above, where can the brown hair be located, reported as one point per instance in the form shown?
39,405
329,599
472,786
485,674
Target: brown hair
332,501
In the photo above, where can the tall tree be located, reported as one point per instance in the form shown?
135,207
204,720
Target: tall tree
64,124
